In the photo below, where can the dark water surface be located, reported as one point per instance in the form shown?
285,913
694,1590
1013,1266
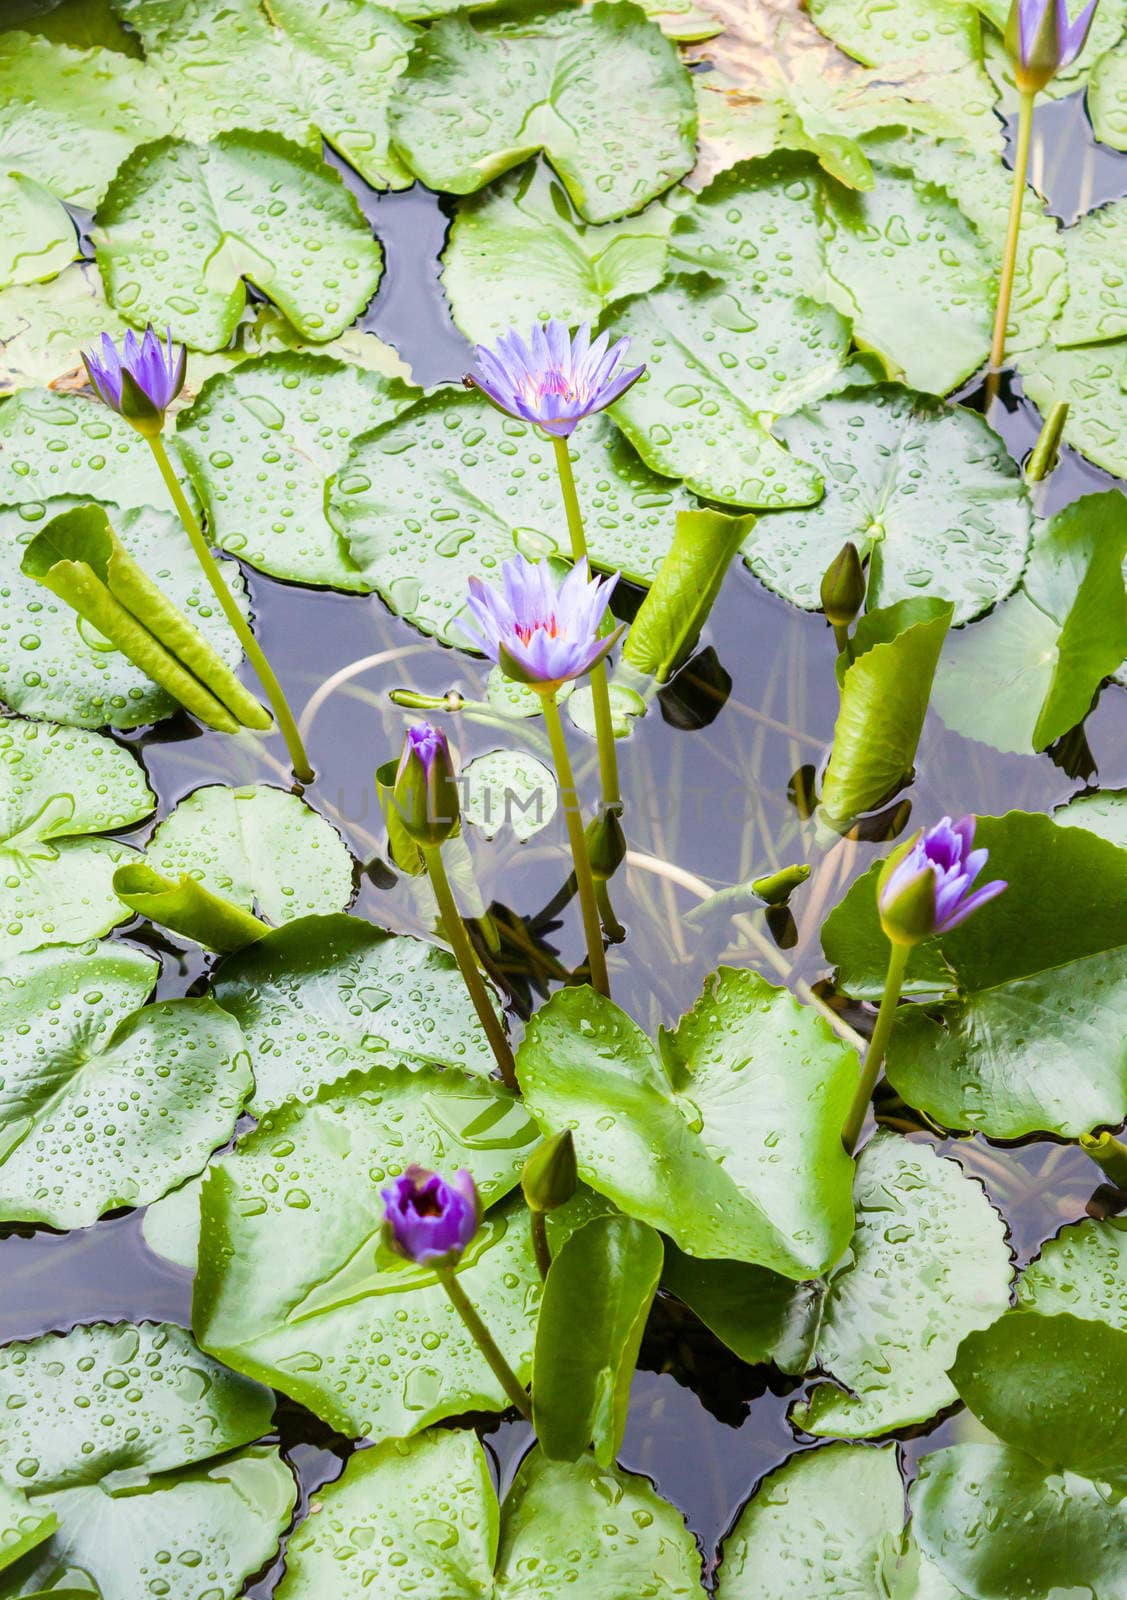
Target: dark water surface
710,802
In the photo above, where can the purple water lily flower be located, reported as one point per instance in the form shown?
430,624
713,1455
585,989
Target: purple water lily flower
927,887
554,380
539,633
430,1219
141,381
1041,40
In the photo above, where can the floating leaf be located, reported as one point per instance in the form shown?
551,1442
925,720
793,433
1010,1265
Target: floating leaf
508,789
297,69
108,1102
1093,379
58,786
597,1298
59,444
422,1516
182,225
53,663
1107,96
324,994
137,1441
825,1524
261,847
261,444
722,361
171,1225
1030,672
38,235
745,1099
1104,813
925,489
757,1314
519,253
885,690
450,490
942,33
477,99
22,1526
929,1262
1096,308
1029,1039
1081,1271
295,1286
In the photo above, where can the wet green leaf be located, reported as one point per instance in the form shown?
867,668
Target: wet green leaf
1096,309
1093,379
37,234
924,489
1103,813
928,1263
477,99
324,995
295,1286
62,444
452,489
1107,96
885,691
1030,672
259,846
669,620
107,1102
246,205
759,1315
1081,1271
745,1099
59,787
22,1526
508,789
137,1441
421,1516
597,1297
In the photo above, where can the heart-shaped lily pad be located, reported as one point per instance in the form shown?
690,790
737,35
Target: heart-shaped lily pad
1093,379
182,225
37,233
64,444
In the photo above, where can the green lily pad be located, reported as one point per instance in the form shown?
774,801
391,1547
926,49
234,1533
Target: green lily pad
64,444
745,1099
477,99
1096,308
295,1286
22,1526
58,787
759,1315
52,663
45,326
519,253
171,1225
137,1442
453,488
924,489
1081,1271
109,1102
1104,813
928,1264
508,789
259,846
421,1517
261,444
324,994
825,1524
68,118
1029,1038
722,362
1093,379
296,69
940,33
1002,1527
38,235
1028,673
1107,97
182,225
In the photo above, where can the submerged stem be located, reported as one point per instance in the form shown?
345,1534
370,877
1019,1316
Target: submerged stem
878,1044
254,651
485,1342
459,942
1009,259
584,880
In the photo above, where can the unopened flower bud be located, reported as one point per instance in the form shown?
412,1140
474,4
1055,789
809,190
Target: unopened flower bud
550,1177
425,792
843,587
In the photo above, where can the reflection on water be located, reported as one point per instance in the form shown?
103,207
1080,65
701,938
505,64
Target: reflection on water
712,803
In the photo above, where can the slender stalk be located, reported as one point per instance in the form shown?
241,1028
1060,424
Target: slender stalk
843,641
584,880
485,1342
540,1243
600,688
459,941
874,1056
255,654
1009,259
613,929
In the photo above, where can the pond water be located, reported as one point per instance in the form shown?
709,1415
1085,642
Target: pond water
710,788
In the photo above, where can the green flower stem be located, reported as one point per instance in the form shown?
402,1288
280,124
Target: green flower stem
613,929
485,1342
874,1056
1109,1153
459,941
843,641
600,688
584,880
1009,259
540,1243
254,652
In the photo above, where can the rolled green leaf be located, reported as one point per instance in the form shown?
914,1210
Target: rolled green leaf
675,610
79,557
185,906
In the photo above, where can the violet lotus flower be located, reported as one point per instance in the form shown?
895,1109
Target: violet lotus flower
141,381
428,1219
536,632
926,887
1041,40
554,380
